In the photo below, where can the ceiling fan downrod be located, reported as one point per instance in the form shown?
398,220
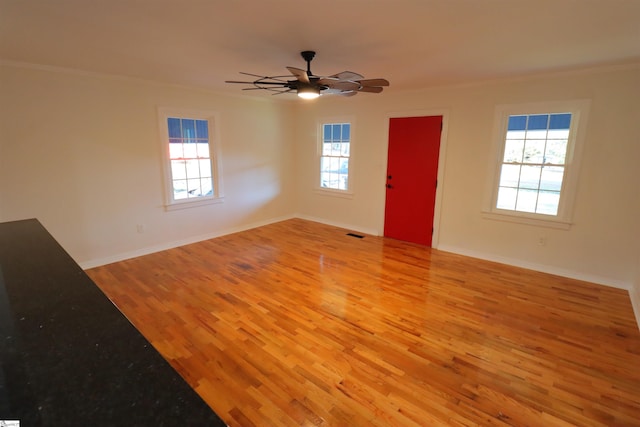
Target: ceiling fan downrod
308,55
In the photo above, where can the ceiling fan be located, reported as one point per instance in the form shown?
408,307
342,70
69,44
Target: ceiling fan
309,86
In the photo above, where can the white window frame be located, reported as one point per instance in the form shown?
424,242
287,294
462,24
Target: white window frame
579,110
348,193
212,118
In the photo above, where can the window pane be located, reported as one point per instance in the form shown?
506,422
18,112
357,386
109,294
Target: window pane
343,181
326,149
178,170
510,176
344,151
203,150
326,133
325,164
346,132
530,177
538,121
188,130
175,151
335,149
180,189
558,134
536,134
513,150
556,151
560,121
193,187
207,187
202,130
517,123
527,200
190,151
344,166
548,202
325,178
336,133
533,151
173,125
205,168
334,180
335,164
507,198
551,178
516,134
193,168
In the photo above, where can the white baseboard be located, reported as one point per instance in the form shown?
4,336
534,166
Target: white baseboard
338,224
572,274
199,238
174,244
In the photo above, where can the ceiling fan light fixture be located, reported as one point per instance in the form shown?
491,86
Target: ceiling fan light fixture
308,92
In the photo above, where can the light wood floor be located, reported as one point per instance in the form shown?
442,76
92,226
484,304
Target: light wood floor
298,324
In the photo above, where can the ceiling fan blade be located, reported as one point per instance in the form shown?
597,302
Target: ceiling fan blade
348,93
331,91
278,78
252,75
327,81
374,82
261,83
347,75
280,92
371,89
301,75
342,85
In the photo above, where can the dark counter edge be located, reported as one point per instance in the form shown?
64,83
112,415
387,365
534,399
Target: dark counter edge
69,357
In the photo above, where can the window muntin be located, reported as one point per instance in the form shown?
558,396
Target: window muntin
189,157
533,164
335,155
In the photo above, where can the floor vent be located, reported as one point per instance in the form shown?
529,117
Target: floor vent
359,236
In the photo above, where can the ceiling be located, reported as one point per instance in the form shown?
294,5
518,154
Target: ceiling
413,43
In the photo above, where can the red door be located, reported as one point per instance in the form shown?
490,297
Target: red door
412,171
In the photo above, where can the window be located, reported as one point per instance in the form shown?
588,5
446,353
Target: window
190,167
533,163
334,158
538,158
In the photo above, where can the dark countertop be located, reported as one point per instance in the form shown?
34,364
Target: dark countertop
68,356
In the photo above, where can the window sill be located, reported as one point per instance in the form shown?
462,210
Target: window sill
345,194
521,219
193,203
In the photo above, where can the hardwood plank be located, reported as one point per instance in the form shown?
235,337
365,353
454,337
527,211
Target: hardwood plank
296,323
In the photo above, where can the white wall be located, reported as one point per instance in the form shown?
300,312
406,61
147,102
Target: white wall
81,153
604,241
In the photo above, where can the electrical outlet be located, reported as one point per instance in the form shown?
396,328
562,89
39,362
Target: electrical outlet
140,228
542,241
